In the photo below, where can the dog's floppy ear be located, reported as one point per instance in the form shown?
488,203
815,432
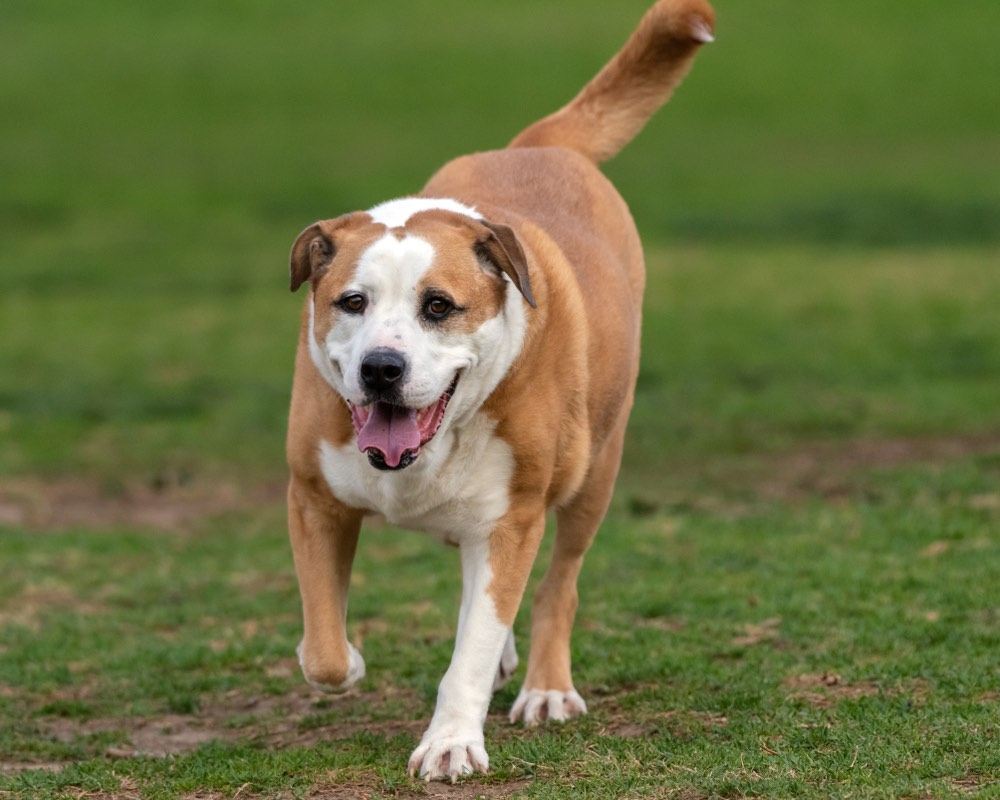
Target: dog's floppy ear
313,251
500,247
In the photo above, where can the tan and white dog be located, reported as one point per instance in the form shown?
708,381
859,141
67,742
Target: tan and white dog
467,362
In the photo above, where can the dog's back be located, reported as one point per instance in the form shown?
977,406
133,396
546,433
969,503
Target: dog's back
548,176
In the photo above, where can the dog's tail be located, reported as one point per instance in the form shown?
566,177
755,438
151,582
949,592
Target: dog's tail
611,110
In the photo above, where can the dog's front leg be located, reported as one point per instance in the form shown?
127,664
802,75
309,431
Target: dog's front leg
495,570
324,535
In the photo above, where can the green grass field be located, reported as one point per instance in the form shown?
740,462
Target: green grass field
795,594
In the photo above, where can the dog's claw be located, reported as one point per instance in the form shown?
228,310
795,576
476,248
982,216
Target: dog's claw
448,758
534,706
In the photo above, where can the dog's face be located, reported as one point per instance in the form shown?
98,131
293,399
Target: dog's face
405,318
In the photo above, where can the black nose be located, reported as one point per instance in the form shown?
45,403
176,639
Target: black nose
382,369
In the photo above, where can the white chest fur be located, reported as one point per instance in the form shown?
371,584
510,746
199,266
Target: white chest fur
457,488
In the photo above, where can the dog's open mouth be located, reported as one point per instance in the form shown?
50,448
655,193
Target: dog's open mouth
392,435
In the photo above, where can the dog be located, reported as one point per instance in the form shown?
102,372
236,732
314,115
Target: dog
467,362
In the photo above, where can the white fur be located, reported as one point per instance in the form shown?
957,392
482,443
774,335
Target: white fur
700,32
533,706
388,273
395,213
457,487
459,481
330,372
453,745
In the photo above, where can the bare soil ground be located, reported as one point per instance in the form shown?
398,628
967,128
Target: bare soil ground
291,719
63,503
824,469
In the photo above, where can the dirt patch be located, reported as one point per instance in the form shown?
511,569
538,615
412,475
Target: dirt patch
665,624
730,485
935,549
174,503
296,719
128,790
14,767
352,785
356,786
472,789
825,689
829,469
165,736
971,784
679,723
758,633
353,789
60,504
36,599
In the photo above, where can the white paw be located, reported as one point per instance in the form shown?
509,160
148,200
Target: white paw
355,671
508,663
449,755
537,705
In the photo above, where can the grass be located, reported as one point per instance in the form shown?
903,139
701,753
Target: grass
793,594
809,649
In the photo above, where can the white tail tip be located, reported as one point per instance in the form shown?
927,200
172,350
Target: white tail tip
700,32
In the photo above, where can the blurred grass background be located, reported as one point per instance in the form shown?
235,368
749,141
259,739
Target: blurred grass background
157,161
793,593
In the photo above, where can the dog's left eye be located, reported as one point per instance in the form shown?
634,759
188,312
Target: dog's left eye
437,308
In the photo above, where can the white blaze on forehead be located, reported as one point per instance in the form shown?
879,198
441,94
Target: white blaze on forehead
388,271
391,268
395,213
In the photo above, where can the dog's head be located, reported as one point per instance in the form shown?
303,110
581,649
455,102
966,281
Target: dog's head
416,306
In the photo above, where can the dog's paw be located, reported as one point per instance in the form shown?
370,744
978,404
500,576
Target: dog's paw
508,663
534,706
331,679
449,755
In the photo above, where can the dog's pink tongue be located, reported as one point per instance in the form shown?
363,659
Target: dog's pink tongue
391,430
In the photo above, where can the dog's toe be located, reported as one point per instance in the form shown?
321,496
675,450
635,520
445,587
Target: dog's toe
534,706
449,758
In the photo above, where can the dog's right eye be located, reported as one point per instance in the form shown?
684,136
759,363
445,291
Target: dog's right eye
352,303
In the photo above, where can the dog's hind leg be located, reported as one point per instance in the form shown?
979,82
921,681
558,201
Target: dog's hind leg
508,663
548,691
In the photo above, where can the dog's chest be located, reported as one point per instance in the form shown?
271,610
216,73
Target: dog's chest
457,488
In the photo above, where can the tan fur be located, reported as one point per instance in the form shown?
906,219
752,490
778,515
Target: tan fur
479,292
563,406
614,106
316,411
324,535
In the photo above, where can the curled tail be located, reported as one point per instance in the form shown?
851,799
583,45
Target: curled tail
611,110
